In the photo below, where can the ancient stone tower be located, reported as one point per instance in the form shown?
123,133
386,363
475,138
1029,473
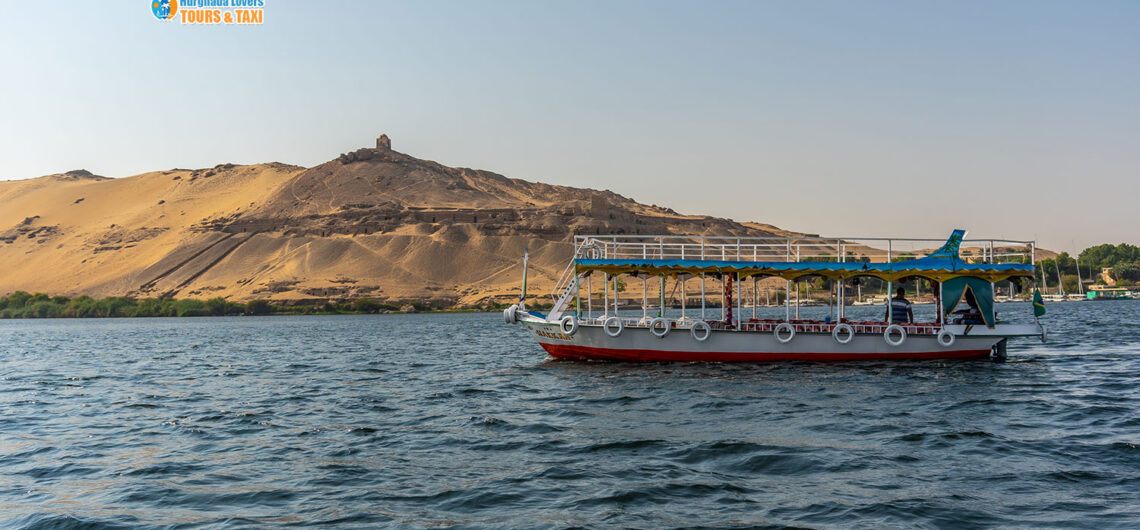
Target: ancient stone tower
383,143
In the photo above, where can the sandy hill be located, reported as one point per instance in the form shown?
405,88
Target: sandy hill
371,223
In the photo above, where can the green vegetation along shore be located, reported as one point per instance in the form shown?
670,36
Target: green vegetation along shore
25,305
1122,262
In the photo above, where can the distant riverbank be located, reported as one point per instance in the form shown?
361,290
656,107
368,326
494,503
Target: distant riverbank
21,304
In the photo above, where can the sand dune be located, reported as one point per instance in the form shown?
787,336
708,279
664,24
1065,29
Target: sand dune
372,223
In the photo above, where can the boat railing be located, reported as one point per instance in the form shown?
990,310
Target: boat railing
769,325
793,249
562,283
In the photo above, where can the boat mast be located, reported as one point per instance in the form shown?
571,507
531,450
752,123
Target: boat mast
1080,283
522,295
1060,283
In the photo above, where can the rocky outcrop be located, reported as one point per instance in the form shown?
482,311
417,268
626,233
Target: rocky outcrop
29,228
76,175
359,155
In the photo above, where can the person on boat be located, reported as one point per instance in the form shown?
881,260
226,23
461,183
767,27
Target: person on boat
972,314
900,310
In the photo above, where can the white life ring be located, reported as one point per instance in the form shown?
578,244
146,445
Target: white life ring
608,326
510,315
784,326
661,331
946,338
593,251
568,325
702,325
891,329
843,328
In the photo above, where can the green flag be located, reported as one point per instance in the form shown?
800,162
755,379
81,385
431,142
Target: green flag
1038,304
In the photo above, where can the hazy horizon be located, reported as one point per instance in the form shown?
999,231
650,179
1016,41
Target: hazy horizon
1016,120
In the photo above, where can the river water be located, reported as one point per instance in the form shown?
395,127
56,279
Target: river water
460,420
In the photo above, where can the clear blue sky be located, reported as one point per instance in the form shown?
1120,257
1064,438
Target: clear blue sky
1012,119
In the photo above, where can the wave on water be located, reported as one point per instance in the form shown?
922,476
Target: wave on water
263,422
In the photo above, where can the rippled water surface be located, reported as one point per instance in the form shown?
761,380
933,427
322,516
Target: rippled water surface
442,420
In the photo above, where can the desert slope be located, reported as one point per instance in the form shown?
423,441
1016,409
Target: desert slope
371,223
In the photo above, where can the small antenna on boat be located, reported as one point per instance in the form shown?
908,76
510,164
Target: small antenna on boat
522,296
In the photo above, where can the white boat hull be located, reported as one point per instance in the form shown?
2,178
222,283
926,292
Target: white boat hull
639,344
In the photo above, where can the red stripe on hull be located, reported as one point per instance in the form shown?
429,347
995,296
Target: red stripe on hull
569,351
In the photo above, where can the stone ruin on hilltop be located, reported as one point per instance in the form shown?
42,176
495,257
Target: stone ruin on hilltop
383,144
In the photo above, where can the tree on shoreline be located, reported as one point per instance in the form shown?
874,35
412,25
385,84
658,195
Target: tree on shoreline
21,304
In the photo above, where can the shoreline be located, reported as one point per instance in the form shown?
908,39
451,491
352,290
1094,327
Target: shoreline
23,305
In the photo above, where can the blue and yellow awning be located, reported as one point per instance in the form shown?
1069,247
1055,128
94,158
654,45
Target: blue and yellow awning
941,265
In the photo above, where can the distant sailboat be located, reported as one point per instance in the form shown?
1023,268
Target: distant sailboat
1080,296
1045,289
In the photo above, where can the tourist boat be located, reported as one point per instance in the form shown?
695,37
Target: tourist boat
1099,292
577,328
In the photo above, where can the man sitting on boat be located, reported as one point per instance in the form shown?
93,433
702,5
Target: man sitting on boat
972,314
900,308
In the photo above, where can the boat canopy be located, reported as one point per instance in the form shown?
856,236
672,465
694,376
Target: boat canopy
954,293
941,265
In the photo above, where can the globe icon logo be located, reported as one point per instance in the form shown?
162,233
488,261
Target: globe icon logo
164,9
